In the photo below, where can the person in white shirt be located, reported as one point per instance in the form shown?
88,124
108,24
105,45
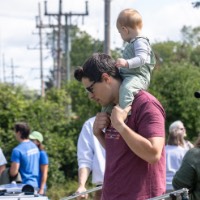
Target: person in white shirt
178,125
175,152
3,161
91,158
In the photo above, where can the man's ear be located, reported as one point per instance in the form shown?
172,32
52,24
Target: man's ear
105,77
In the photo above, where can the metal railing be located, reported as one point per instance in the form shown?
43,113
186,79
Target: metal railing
182,194
82,193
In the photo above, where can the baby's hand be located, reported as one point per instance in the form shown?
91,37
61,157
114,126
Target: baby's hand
120,62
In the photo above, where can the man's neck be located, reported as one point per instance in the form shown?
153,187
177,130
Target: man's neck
116,86
24,140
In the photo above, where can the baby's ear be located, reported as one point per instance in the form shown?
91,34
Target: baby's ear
125,29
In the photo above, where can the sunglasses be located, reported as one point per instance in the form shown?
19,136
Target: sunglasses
90,88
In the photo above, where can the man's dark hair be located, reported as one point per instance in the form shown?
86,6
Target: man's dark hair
95,66
23,128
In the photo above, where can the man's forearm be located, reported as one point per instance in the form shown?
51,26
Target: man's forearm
83,174
148,149
14,169
2,168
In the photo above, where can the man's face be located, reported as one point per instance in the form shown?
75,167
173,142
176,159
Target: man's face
100,92
17,135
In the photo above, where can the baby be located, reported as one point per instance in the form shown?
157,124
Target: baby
138,58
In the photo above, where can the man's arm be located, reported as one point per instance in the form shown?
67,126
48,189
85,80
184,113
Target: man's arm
44,172
2,168
83,174
85,154
149,149
14,169
142,53
3,161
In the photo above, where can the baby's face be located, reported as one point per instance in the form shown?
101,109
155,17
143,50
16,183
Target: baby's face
123,31
128,33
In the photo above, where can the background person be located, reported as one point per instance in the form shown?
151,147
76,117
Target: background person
188,175
179,126
37,138
135,154
91,157
3,161
25,156
175,152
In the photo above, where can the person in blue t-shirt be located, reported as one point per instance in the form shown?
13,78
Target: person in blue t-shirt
37,138
25,156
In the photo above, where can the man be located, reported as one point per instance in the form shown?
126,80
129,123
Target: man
91,157
3,162
135,156
25,157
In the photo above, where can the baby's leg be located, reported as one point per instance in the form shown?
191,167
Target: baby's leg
130,86
107,109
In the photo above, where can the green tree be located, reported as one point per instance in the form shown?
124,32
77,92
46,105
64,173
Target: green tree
170,52
191,35
194,57
174,86
81,104
83,46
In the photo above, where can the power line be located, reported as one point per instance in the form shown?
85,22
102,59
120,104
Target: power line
67,39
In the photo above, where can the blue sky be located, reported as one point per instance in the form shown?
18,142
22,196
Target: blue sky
163,20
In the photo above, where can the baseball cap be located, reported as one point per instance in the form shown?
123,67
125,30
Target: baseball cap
35,135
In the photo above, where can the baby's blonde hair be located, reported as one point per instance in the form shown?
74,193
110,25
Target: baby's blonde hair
130,18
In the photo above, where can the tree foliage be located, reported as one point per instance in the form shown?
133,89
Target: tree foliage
83,46
60,115
174,86
191,35
56,116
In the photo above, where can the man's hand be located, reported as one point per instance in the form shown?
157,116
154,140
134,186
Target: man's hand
121,63
79,190
41,191
102,121
118,116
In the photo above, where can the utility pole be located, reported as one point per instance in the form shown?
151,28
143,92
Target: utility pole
41,52
67,37
107,27
4,71
59,50
40,25
12,72
13,76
